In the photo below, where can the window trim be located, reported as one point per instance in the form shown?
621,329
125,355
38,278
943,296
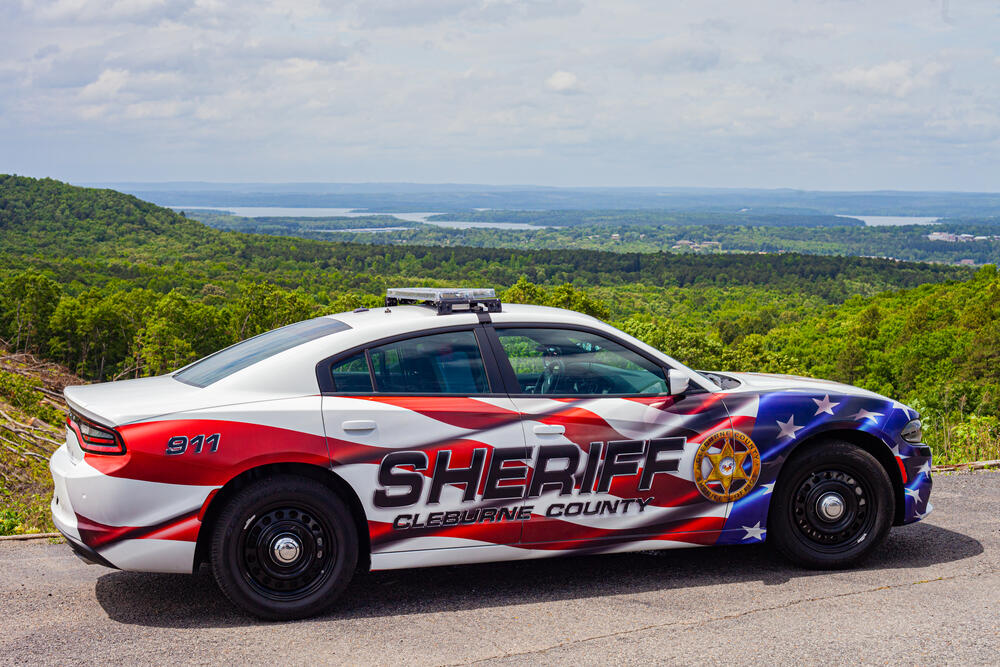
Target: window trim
510,377
493,377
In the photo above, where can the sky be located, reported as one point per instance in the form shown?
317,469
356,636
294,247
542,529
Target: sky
818,94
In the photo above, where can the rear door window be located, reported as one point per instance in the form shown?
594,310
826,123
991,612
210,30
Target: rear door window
351,375
444,363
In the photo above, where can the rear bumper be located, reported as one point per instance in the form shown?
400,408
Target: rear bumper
86,554
124,523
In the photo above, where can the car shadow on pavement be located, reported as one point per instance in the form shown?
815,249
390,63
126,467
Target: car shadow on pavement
181,601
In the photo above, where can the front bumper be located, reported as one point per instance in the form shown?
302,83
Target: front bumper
915,466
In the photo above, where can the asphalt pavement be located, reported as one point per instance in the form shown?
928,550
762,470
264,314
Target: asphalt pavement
930,595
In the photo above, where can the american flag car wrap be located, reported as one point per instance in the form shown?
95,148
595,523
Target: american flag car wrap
476,459
780,420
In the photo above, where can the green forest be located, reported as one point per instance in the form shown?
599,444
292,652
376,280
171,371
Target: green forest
632,232
110,287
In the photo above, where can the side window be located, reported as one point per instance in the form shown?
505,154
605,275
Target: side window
445,363
351,375
568,362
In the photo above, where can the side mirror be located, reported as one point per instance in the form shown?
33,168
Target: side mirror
678,381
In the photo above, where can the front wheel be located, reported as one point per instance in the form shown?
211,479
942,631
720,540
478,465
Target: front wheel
284,548
833,506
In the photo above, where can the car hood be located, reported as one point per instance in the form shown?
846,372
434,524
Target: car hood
776,382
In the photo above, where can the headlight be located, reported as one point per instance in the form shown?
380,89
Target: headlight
913,431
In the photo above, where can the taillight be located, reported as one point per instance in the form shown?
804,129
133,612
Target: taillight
95,438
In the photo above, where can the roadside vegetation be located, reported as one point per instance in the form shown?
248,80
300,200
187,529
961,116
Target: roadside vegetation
32,413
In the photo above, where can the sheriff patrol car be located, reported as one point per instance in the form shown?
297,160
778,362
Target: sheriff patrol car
450,428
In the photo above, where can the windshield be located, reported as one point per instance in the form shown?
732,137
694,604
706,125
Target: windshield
237,357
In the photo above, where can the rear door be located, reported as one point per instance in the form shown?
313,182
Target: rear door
613,453
421,428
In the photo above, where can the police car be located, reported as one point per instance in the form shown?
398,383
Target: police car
449,428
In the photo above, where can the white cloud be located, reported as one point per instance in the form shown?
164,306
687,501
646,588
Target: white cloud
63,11
106,86
676,54
563,82
710,93
897,78
403,13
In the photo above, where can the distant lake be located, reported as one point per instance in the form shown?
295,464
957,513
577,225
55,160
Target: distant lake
372,230
891,220
279,211
288,212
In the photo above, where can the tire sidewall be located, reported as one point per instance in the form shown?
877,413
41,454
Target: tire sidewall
785,533
227,563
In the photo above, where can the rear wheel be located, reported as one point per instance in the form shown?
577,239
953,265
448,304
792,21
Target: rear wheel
833,506
284,548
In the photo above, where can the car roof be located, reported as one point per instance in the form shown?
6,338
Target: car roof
423,317
292,372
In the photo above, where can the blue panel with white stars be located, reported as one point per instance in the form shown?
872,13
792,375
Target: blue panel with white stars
779,421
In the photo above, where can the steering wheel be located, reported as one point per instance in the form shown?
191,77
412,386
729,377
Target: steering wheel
551,374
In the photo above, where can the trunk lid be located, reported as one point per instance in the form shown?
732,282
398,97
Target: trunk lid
126,401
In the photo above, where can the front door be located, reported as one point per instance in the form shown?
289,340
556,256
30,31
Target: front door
613,453
433,448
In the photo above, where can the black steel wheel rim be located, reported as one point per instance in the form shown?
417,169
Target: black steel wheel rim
815,504
286,574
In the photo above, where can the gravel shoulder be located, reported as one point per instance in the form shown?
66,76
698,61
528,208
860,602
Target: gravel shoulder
930,595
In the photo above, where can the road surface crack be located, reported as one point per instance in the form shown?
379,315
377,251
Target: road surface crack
724,617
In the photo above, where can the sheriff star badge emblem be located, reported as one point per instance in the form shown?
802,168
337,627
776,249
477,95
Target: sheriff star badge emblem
726,466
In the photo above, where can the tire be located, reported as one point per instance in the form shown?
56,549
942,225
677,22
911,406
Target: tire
804,523
318,554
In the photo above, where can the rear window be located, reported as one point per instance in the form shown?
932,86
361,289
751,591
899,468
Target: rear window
247,353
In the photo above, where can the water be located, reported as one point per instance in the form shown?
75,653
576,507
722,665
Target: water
280,211
287,212
892,220
372,230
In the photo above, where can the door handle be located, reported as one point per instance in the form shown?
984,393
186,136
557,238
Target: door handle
358,425
549,429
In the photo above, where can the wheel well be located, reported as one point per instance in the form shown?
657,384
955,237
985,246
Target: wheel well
324,475
877,448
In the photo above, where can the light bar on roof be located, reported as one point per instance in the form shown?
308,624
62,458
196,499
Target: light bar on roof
444,299
440,293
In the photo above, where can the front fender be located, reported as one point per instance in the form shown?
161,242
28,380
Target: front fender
780,422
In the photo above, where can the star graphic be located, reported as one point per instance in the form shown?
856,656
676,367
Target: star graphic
788,428
914,493
768,488
895,452
727,466
863,414
896,405
754,532
925,468
826,405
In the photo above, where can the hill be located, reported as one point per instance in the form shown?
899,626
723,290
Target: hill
111,286
391,197
88,237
